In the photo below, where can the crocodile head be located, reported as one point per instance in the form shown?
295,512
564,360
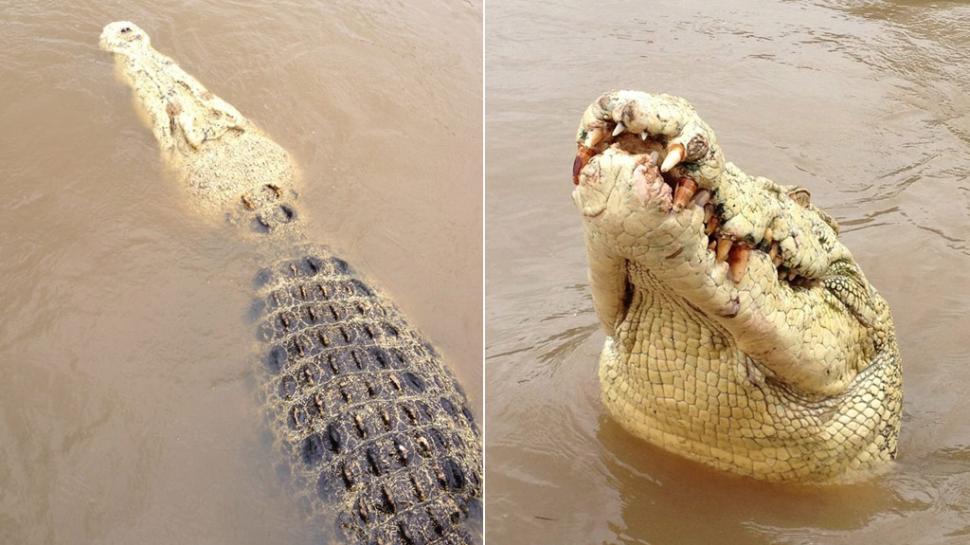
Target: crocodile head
232,169
727,287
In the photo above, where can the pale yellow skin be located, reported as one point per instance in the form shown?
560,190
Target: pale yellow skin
762,377
225,161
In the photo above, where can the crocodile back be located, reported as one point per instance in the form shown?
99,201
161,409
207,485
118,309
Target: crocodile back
374,426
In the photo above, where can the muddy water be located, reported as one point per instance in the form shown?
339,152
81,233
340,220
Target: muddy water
128,409
866,104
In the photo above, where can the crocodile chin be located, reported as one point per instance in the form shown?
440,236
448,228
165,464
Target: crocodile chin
743,334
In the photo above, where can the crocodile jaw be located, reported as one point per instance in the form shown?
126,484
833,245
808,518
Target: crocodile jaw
796,329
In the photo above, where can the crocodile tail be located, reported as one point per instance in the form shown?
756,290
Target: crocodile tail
375,428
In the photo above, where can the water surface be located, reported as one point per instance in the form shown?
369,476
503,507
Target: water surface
866,104
128,409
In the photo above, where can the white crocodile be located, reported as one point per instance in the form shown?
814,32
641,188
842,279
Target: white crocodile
741,333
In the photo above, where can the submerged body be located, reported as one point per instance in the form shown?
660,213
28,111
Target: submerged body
374,428
742,333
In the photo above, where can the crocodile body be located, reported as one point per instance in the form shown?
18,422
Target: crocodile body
374,428
365,407
742,334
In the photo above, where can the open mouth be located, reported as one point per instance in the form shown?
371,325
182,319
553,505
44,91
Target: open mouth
661,176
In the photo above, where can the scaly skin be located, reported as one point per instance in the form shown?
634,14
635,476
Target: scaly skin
741,333
374,429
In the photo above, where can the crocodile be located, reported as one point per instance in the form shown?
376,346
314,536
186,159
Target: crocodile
741,333
373,428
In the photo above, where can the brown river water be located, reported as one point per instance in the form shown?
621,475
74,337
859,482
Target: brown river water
867,103
129,410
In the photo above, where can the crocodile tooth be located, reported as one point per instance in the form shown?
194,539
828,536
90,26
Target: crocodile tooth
712,224
594,136
644,136
769,234
723,248
738,261
684,192
773,252
702,198
583,155
792,274
619,129
712,245
675,154
577,168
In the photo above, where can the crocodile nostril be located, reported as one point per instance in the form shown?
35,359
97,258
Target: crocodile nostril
126,29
